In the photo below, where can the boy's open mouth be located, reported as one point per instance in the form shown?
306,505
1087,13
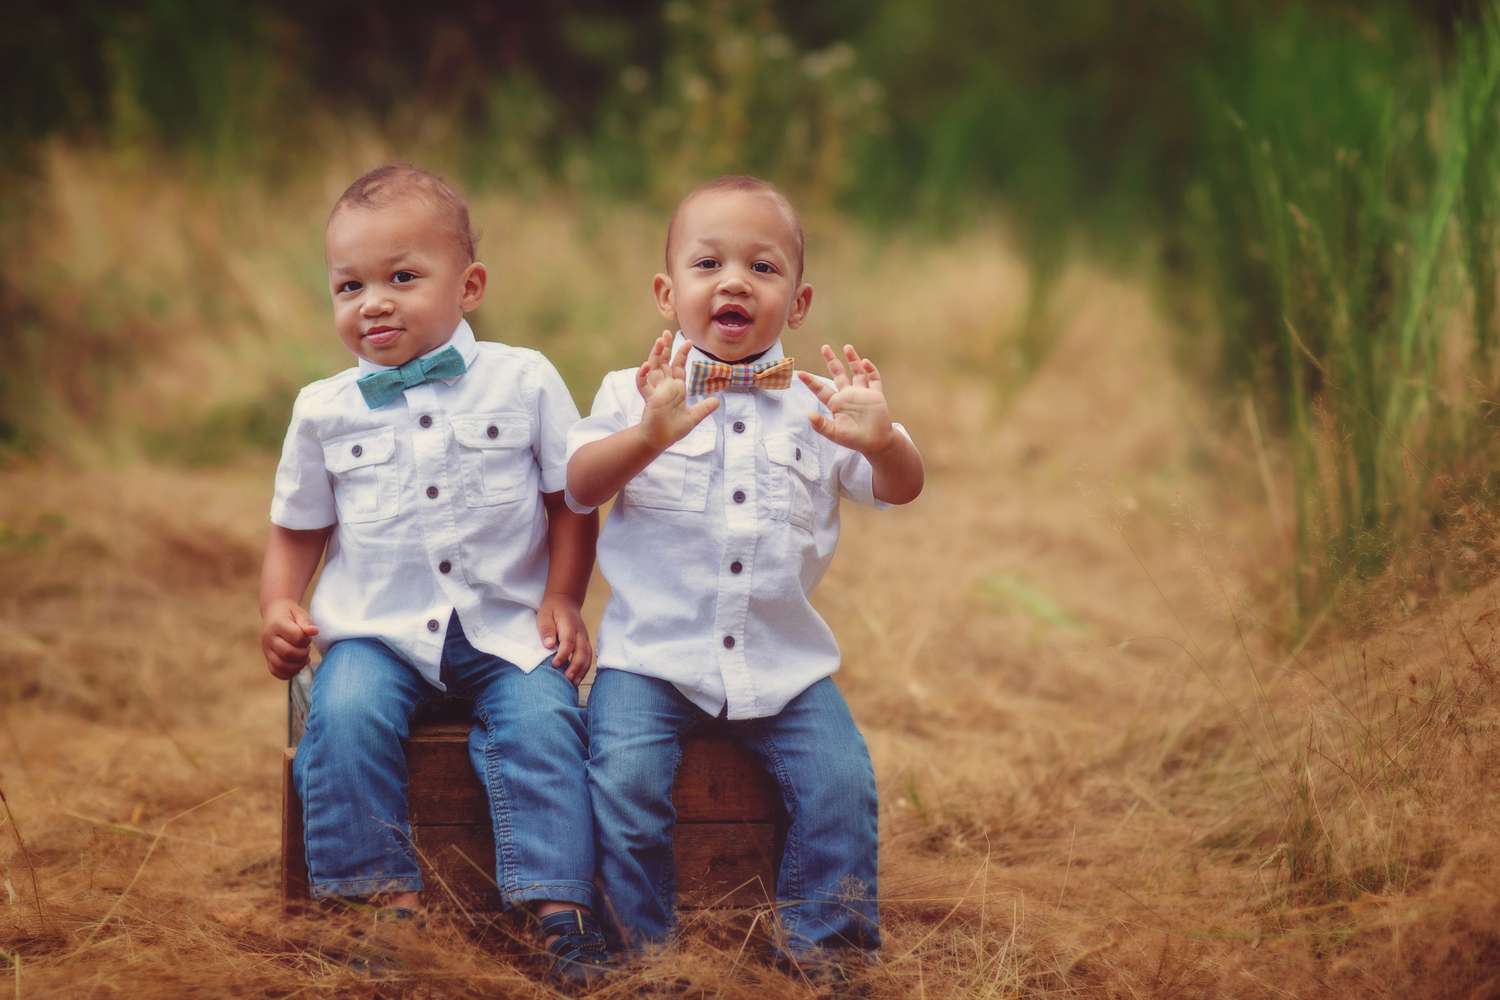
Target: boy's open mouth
732,317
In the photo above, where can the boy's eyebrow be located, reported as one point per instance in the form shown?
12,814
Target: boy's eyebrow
395,258
758,247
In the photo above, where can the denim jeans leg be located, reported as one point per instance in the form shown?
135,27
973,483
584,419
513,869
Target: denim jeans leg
826,889
528,748
350,771
635,744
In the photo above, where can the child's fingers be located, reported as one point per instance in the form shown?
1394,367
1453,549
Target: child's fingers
566,644
701,409
856,366
643,378
679,360
872,375
288,631
822,425
583,658
822,389
835,368
546,627
282,670
303,620
287,652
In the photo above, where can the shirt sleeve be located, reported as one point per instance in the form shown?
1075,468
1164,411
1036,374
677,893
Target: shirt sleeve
856,476
556,413
304,496
610,413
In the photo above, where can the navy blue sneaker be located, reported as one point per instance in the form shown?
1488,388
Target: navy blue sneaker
580,957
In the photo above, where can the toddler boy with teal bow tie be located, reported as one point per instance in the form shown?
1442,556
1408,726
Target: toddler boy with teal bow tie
429,478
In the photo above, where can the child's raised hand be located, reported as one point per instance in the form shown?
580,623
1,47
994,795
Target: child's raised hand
560,622
861,420
286,635
668,418
661,353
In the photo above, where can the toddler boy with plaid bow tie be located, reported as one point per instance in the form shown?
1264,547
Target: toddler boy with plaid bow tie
729,474
431,477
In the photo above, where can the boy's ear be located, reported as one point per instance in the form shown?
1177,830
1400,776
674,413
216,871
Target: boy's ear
661,290
475,279
801,303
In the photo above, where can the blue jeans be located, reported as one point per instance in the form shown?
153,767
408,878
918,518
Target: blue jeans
825,890
528,748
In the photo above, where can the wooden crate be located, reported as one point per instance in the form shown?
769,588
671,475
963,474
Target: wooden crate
730,823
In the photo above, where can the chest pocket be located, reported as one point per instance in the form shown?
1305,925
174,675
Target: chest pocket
796,478
678,478
366,477
495,452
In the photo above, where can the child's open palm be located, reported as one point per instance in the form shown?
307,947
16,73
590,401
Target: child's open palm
856,399
663,383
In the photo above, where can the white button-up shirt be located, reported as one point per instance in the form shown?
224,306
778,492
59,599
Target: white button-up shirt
436,502
712,551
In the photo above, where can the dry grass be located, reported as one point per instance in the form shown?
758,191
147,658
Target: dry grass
1101,774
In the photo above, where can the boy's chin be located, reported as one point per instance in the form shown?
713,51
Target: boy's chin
733,350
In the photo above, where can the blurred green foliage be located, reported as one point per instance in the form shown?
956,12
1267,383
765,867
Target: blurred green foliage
1324,174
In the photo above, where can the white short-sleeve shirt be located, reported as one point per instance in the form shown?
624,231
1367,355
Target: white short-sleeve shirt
713,550
435,501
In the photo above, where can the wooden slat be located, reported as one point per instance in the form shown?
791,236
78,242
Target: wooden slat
293,853
718,781
726,864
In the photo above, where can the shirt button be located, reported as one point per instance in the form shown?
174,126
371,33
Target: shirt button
444,566
432,624
739,427
739,496
425,420
729,642
357,450
736,566
492,431
432,492
798,453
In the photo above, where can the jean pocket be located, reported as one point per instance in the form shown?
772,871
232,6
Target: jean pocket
678,478
366,484
495,453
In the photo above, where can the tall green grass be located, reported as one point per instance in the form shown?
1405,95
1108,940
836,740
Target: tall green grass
1344,210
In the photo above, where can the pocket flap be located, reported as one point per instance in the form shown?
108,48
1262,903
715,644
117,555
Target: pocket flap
792,451
351,451
491,430
700,440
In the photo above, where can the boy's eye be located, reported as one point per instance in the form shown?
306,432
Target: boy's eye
706,264
348,286
763,267
402,277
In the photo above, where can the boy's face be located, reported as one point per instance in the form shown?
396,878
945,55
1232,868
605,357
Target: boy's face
733,281
400,283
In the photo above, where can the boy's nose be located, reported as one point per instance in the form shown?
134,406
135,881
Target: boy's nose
374,305
733,283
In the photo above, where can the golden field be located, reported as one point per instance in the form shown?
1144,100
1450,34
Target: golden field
1107,769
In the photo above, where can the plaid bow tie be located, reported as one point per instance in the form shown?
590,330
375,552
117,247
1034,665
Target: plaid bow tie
713,376
380,388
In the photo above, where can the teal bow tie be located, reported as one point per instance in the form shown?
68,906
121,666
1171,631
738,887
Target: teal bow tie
380,388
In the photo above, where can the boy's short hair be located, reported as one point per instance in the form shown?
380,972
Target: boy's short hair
386,184
753,185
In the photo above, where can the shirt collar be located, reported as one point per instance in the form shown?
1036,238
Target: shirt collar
773,353
462,341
